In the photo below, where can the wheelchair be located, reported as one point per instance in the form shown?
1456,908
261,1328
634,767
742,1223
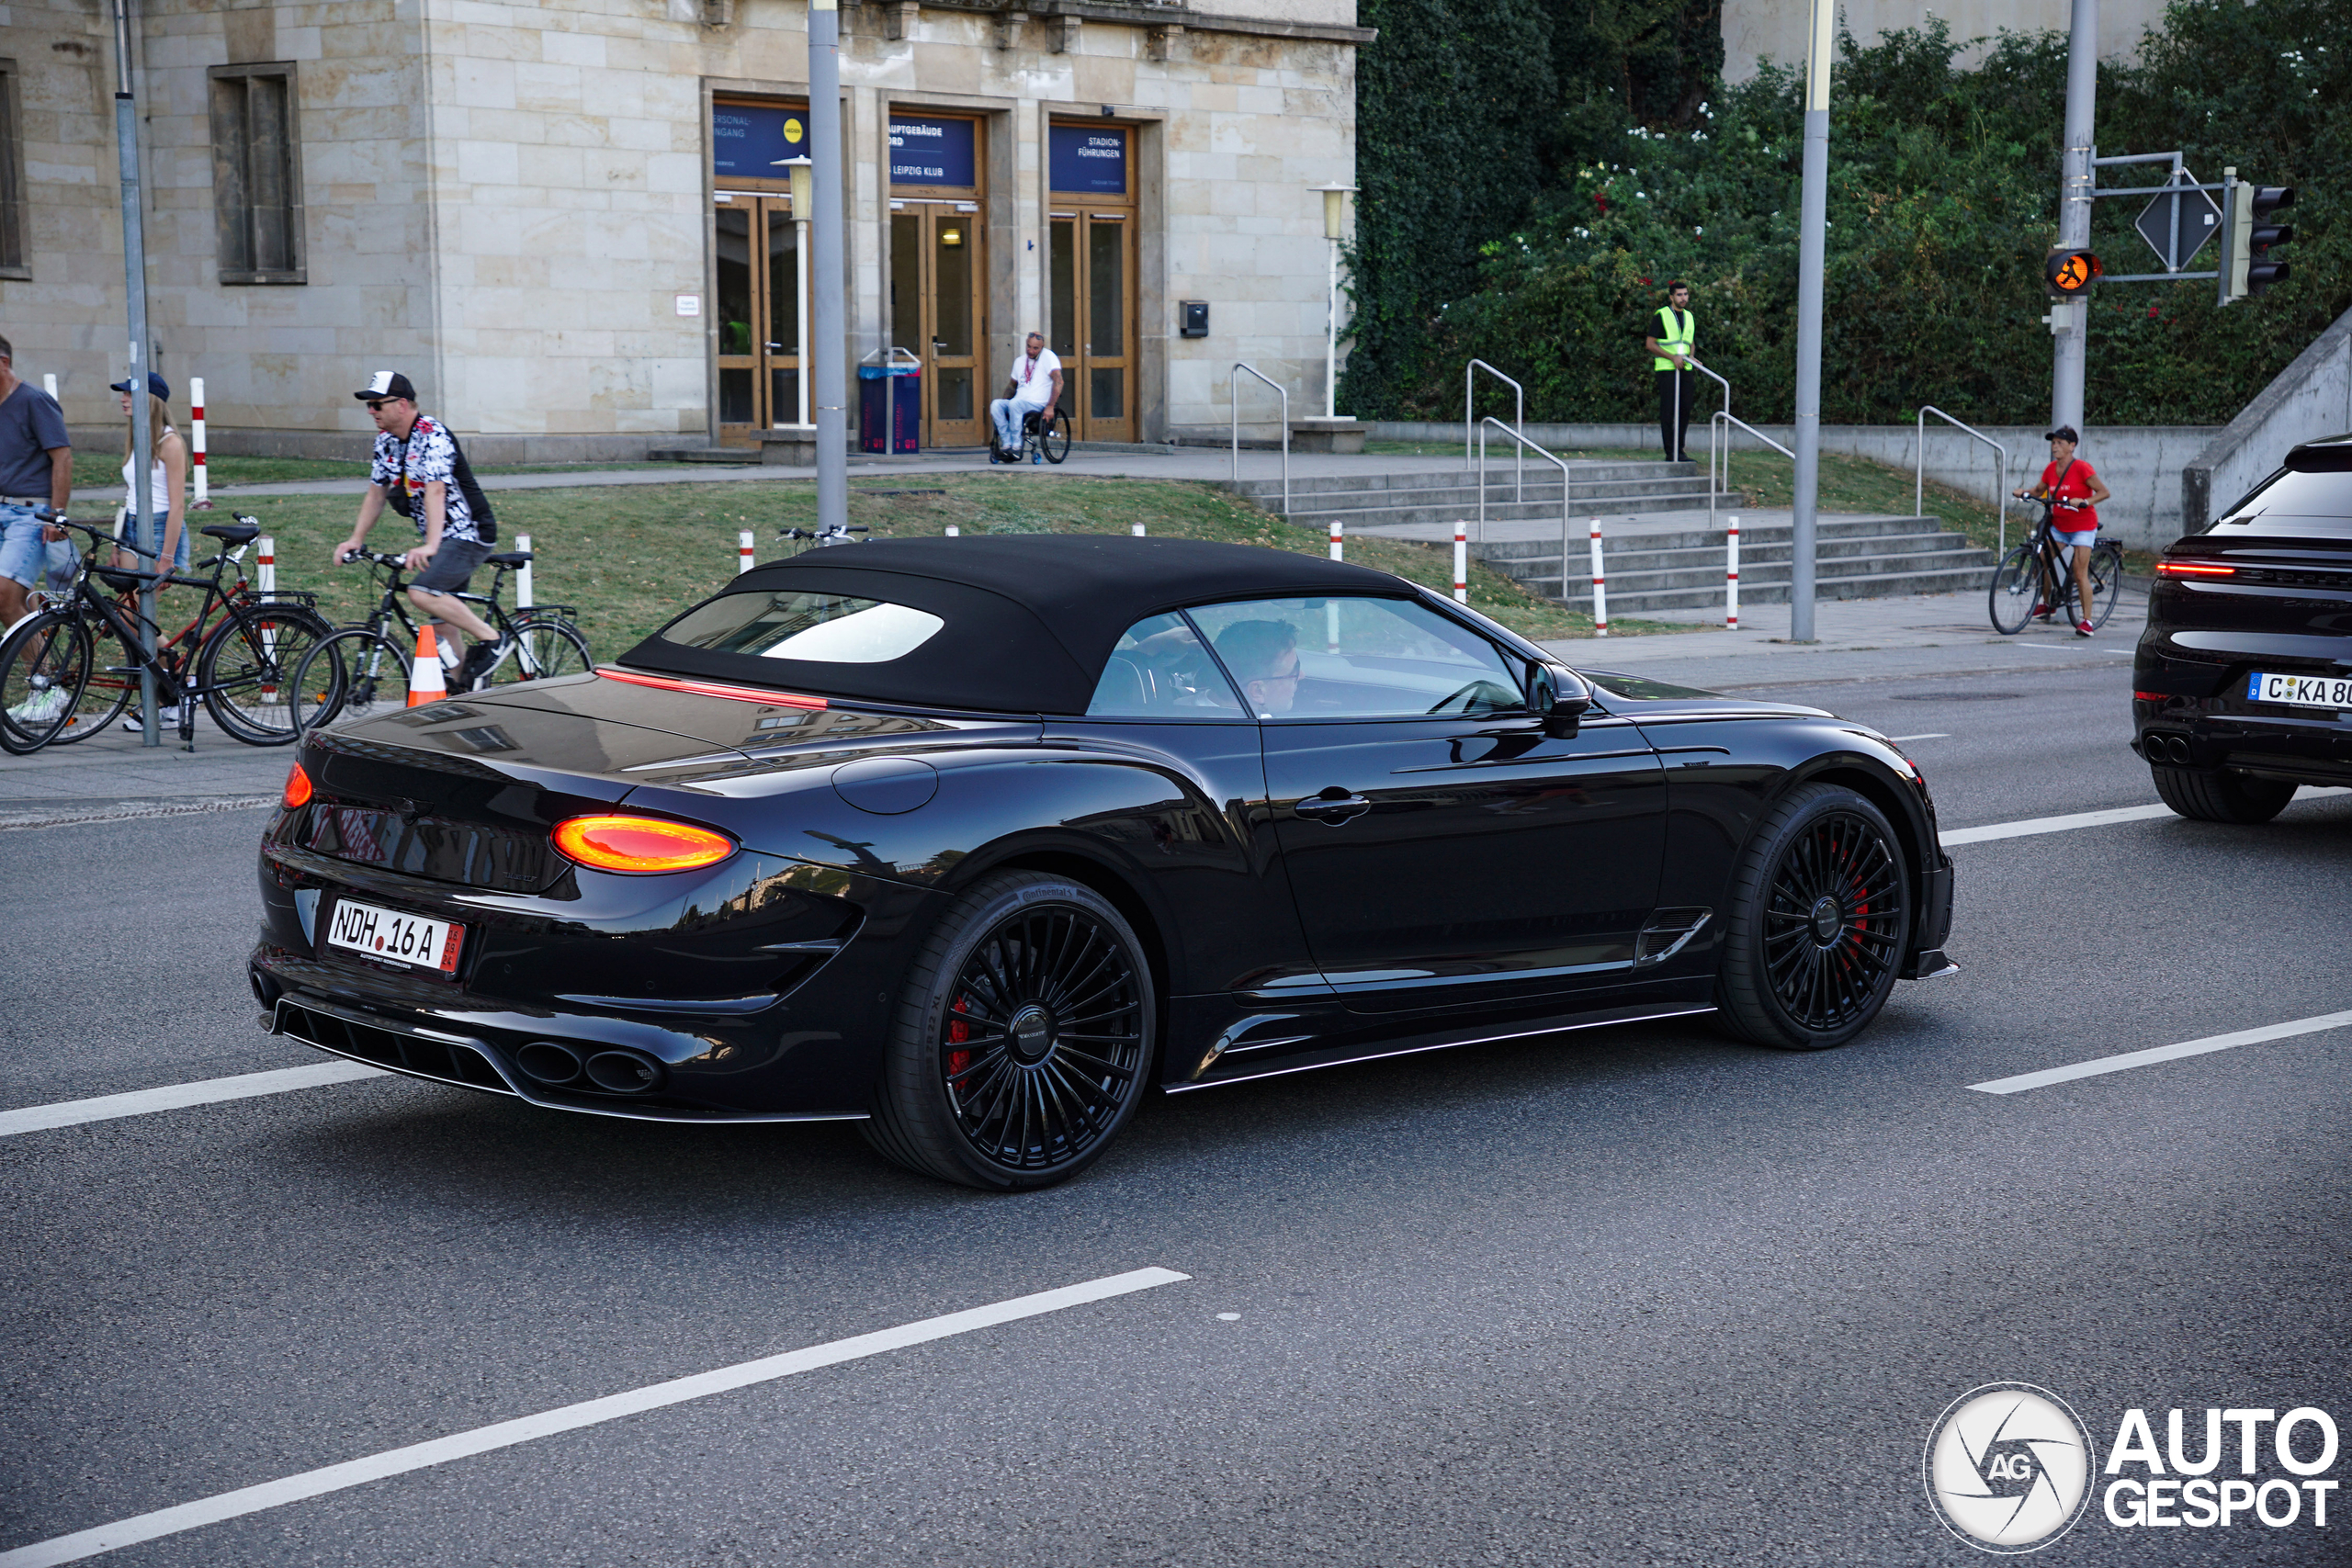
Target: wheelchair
1044,430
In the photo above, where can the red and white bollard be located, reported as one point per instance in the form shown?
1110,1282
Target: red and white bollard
1339,551
953,531
48,384
523,577
742,552
195,443
1136,529
1461,563
1731,580
1600,587
266,583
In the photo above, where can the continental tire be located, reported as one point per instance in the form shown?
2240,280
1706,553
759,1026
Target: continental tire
1820,909
2208,794
1023,1037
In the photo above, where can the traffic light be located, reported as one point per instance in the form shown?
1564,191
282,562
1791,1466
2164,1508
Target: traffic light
2247,242
2070,274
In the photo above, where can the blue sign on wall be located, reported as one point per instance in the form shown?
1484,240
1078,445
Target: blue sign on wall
1087,160
927,151
746,140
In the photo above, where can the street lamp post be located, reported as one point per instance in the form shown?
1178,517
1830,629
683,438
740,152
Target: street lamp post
804,196
829,334
1335,201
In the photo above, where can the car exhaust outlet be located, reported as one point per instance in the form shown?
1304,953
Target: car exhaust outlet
549,1062
623,1073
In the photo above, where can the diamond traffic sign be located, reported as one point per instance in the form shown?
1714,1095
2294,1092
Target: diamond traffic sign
2177,224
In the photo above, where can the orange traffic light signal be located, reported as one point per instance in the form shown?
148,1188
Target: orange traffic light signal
2070,273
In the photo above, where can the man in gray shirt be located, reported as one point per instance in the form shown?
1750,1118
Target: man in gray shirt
35,469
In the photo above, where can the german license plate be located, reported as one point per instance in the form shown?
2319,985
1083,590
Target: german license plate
396,937
2301,691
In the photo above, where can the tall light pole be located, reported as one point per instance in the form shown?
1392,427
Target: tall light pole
1813,220
828,336
804,197
145,524
2070,319
1335,204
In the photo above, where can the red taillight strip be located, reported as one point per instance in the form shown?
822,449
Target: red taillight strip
2153,696
711,689
2191,568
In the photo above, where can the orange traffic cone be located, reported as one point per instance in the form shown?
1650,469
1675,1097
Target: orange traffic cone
426,683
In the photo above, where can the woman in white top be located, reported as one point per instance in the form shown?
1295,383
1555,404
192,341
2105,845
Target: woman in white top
167,480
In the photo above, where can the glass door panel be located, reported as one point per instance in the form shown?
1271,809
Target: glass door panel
737,305
782,333
1092,276
950,369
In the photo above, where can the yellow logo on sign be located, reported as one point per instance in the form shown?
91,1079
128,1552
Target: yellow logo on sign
791,130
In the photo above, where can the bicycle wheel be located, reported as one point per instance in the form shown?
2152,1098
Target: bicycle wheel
247,671
2017,588
43,667
352,675
2107,576
113,683
545,648
1056,440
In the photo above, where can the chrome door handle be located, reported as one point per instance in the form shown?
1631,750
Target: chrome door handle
1332,809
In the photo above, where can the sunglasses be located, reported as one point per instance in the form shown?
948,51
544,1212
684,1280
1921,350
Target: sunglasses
378,405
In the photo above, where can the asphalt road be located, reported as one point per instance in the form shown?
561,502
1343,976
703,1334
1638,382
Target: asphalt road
1626,1297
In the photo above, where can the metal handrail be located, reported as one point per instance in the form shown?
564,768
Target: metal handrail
1715,434
1717,381
1519,422
1233,395
2000,469
1567,485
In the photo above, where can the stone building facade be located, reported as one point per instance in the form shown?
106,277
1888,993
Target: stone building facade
567,219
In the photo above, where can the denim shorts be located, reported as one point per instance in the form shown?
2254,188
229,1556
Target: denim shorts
2081,541
123,529
26,556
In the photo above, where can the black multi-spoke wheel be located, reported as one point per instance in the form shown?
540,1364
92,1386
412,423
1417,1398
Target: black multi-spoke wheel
1022,1040
1055,437
1821,909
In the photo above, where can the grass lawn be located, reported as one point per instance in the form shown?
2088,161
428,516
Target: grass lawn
629,558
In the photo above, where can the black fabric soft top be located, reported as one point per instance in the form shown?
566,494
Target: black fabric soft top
1030,618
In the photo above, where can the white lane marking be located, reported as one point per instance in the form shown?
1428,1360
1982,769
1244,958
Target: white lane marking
2130,1059
1939,735
571,1417
175,1097
2086,819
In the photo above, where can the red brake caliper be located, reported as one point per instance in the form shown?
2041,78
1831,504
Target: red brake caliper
958,1031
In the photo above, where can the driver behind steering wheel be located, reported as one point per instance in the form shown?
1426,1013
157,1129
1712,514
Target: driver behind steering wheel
1263,656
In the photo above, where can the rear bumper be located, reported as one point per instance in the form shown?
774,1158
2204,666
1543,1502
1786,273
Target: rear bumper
2312,747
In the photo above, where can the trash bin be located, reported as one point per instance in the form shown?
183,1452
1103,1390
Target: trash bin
890,403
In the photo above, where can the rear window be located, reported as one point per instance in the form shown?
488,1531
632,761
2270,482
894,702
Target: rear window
2296,505
818,628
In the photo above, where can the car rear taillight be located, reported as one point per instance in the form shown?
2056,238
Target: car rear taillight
712,689
2151,696
2193,569
297,789
639,843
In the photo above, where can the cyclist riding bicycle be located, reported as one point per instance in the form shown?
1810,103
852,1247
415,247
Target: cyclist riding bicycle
2073,489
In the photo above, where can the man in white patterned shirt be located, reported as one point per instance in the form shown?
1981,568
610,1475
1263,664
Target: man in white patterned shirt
420,470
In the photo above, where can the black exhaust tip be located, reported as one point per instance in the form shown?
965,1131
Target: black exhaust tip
549,1062
623,1072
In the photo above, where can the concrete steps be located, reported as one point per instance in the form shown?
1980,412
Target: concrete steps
1446,495
1854,557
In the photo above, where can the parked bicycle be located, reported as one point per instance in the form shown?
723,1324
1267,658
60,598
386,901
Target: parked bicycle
831,534
2035,580
68,672
363,669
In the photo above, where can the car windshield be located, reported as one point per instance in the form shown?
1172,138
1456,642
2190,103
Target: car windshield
2296,504
821,628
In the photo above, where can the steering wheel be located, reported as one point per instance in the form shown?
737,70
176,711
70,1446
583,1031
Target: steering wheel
1482,689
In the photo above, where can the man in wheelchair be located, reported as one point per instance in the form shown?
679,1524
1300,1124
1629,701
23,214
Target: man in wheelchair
1033,386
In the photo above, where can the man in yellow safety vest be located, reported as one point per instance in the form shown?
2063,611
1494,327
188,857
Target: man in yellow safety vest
1673,333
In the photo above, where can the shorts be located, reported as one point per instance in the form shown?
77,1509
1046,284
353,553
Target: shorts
452,566
180,558
26,556
2081,541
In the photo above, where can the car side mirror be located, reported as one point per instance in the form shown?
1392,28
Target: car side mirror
1562,697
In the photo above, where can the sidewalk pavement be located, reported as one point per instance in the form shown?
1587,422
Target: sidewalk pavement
111,775
1195,463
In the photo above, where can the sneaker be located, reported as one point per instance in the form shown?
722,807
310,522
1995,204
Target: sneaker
134,721
478,660
2084,628
41,707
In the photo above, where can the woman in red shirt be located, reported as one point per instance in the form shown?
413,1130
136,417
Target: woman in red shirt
2073,489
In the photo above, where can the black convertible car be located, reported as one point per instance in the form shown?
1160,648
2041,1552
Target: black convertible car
978,839
2243,679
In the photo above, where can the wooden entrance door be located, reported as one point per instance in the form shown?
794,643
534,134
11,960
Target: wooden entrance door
758,309
938,313
1093,288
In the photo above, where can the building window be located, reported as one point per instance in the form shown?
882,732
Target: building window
258,174
14,261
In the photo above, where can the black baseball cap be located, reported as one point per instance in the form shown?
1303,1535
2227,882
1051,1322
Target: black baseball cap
2064,432
386,384
155,383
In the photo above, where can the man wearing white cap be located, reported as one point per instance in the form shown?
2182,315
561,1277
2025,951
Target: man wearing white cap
420,470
